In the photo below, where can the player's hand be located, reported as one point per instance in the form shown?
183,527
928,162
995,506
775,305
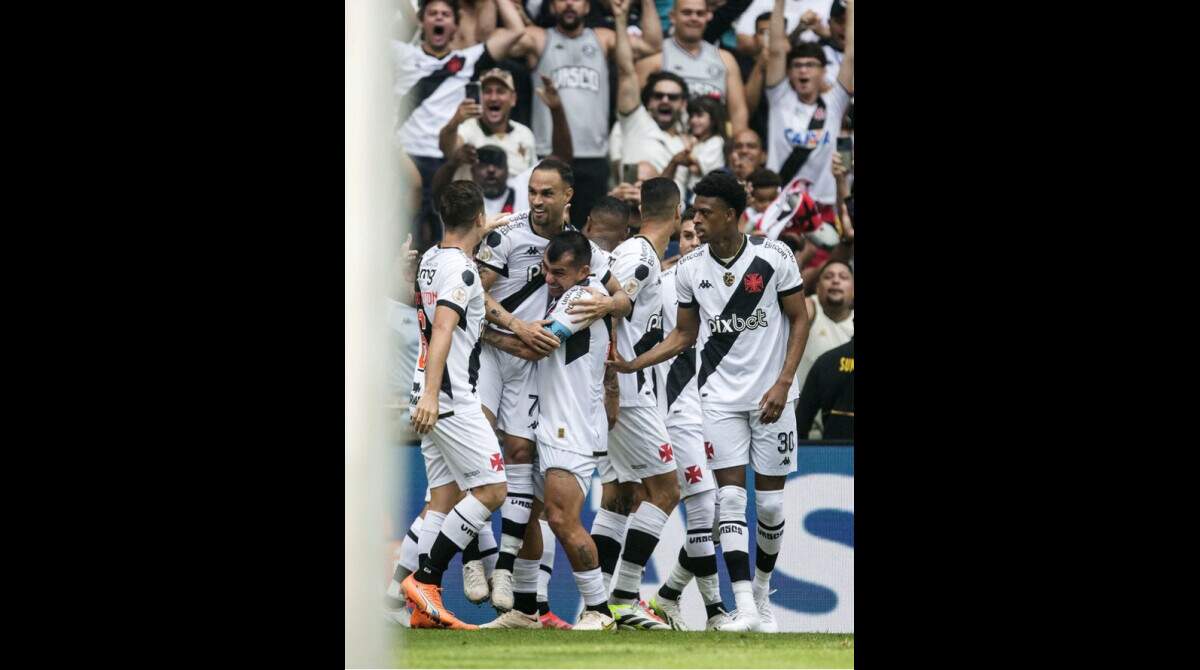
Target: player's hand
773,402
619,364
495,221
425,414
467,109
839,170
535,336
549,94
588,309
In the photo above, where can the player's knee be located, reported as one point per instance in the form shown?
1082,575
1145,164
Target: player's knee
769,506
733,502
517,450
700,509
491,495
559,520
666,494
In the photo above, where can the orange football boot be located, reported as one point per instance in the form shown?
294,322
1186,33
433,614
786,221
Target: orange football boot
428,599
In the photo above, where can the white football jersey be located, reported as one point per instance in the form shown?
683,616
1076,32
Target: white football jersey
747,332
571,379
430,90
514,251
680,401
636,267
447,276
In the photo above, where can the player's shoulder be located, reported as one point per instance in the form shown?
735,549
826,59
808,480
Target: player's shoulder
773,248
691,257
631,245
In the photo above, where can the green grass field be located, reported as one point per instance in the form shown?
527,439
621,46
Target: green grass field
633,649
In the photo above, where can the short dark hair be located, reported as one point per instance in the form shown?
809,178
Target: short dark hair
453,4
688,214
572,242
807,50
460,204
659,76
762,178
725,187
765,16
563,170
660,198
612,207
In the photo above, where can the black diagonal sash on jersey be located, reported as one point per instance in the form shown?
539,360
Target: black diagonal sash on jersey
428,330
578,344
515,300
799,155
473,364
742,304
652,337
683,369
426,85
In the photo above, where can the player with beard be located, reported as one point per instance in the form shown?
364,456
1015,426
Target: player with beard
430,82
830,318
708,71
748,293
510,269
576,59
489,122
650,127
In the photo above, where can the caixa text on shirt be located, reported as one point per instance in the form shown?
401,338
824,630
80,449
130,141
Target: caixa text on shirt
807,138
736,324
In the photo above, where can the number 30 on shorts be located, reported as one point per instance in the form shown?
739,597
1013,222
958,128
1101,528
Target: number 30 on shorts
787,442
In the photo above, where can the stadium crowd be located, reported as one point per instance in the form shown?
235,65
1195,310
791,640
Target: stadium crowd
584,174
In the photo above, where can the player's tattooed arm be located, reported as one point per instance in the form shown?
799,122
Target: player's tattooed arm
775,399
425,414
687,327
512,344
538,339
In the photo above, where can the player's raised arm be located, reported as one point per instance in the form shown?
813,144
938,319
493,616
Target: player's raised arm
777,50
846,73
425,414
511,344
687,327
502,43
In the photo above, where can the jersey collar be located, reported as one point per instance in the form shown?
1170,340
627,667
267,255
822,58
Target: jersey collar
733,261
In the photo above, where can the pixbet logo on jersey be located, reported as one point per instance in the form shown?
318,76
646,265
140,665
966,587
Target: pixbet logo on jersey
736,324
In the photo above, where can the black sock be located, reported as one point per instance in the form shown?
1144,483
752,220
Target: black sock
526,603
608,551
471,551
713,609
543,607
440,555
601,608
505,561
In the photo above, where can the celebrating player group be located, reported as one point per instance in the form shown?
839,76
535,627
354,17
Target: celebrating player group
547,354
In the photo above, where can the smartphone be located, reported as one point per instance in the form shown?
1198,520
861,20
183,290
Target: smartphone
629,173
845,147
473,91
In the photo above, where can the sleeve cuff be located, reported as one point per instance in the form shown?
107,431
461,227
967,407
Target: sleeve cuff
502,272
689,305
786,292
462,315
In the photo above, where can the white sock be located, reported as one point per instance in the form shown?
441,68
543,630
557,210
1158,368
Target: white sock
591,587
769,508
487,547
608,531
463,522
409,549
735,542
518,505
429,531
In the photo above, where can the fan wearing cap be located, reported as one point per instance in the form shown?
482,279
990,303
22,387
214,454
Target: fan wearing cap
489,122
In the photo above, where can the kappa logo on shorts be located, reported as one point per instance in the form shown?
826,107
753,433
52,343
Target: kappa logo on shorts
665,453
787,460
693,474
497,462
708,450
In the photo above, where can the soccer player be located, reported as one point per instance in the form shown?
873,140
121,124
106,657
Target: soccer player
741,288
458,444
510,269
680,404
638,445
570,410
